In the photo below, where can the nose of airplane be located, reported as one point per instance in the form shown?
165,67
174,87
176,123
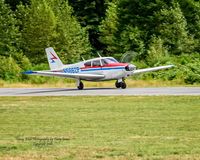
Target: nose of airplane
130,67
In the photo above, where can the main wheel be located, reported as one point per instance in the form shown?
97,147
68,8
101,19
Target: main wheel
117,84
123,85
81,86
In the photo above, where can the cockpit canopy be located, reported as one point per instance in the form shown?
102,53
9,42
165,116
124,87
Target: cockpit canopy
100,62
109,60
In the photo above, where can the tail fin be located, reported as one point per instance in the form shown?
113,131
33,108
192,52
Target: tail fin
53,59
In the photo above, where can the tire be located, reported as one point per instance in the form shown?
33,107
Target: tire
117,84
81,86
123,85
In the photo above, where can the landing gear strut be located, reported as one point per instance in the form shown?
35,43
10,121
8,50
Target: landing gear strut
80,85
120,84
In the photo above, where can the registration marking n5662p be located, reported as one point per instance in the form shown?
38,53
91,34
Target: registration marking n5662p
71,70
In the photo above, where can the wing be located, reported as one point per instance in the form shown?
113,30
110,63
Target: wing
151,69
66,75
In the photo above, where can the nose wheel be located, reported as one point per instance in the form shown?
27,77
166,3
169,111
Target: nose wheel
80,85
121,84
117,84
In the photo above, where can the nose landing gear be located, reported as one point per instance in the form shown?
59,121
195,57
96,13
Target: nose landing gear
117,84
121,84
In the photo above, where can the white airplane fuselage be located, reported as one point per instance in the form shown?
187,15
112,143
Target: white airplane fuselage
112,71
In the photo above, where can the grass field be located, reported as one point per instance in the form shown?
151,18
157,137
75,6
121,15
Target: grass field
100,128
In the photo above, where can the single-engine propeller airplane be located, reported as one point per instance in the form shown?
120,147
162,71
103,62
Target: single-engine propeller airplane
96,69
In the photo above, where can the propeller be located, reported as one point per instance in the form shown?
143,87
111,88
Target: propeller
128,57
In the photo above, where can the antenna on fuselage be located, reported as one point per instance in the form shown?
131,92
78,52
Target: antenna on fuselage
83,58
99,55
100,58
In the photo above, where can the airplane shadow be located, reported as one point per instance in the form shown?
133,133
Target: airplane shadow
51,90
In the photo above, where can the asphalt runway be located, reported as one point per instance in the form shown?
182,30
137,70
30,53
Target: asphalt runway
100,91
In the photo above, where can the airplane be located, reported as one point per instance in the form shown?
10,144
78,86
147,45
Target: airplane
96,69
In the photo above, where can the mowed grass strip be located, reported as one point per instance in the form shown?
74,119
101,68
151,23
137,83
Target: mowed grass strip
100,127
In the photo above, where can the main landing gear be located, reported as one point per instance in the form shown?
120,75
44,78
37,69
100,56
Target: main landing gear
80,85
120,84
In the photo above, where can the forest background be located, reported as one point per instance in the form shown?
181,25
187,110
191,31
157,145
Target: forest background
158,32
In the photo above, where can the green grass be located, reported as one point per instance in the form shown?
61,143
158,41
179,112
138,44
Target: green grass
100,127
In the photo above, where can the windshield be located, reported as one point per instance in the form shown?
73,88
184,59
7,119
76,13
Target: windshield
109,60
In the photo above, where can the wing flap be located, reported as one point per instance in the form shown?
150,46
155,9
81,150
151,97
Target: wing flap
152,69
66,75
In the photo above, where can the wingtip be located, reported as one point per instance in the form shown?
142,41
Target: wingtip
28,72
170,66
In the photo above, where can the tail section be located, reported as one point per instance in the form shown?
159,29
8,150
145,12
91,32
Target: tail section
53,59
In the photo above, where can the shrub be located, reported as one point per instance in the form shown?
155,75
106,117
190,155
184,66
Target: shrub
9,69
192,73
39,79
187,68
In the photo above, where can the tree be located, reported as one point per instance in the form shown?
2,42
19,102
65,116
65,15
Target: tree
13,3
117,37
9,34
90,13
108,28
50,23
172,28
38,29
71,39
191,11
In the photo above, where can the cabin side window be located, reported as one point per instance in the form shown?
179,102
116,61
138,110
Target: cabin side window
87,64
111,60
96,63
104,62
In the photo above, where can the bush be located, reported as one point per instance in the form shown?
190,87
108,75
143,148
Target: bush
187,68
192,73
157,53
39,79
9,69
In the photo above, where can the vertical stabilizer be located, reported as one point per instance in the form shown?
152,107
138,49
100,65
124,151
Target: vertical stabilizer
53,59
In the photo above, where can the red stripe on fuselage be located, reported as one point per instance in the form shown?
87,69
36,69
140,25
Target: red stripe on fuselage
107,65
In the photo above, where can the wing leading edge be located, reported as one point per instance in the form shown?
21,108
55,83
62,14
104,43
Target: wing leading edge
152,69
66,75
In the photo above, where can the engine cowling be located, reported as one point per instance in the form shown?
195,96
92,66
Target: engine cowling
130,67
